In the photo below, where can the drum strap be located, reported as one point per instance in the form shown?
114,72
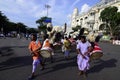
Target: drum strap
36,42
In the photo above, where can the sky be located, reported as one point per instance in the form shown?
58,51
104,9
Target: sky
29,11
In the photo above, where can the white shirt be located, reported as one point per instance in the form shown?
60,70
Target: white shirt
83,46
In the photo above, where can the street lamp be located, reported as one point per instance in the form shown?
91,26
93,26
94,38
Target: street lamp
47,7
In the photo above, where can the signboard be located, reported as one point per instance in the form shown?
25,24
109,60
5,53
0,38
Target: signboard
48,20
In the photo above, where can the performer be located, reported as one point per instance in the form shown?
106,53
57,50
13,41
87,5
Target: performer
47,46
67,46
83,55
34,47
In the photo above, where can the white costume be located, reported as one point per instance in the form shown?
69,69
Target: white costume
46,47
83,63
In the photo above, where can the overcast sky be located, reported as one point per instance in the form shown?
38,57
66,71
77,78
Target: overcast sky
28,11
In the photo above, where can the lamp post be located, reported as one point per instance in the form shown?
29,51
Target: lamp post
47,7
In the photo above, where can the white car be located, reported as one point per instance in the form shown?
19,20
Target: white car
1,35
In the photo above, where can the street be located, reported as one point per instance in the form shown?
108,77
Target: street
16,63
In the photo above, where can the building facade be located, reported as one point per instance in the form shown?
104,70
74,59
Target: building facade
90,20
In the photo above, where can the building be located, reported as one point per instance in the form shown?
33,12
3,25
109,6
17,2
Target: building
90,20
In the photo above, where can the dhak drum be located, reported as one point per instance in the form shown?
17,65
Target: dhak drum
45,53
96,53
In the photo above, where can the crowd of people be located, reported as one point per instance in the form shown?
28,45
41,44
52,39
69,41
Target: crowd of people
83,50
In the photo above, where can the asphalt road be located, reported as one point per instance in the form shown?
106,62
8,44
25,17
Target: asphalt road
16,63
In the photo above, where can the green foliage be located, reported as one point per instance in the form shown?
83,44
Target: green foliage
108,14
117,18
32,30
41,21
21,27
42,26
11,26
3,20
112,19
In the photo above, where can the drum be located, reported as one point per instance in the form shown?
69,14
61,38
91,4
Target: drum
96,55
45,53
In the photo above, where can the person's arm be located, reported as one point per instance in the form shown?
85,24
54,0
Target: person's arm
90,48
30,48
87,52
79,52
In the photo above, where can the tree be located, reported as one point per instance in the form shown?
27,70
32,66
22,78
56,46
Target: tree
11,26
21,27
3,21
32,30
112,18
42,25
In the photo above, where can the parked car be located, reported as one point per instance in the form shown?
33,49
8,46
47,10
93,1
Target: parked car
1,35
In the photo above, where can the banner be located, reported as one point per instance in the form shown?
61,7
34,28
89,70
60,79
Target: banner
48,20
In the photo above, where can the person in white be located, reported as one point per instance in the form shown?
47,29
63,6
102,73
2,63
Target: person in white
83,56
46,45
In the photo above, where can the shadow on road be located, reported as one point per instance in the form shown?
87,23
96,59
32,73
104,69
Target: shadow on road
6,51
62,65
15,62
101,64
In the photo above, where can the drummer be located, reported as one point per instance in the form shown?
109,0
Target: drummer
47,46
34,47
67,46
